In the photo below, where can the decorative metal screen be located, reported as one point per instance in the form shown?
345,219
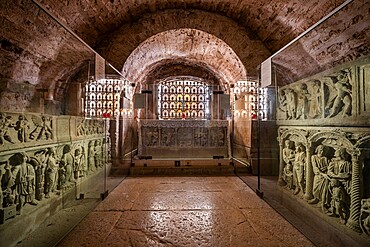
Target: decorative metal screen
103,98
183,97
252,95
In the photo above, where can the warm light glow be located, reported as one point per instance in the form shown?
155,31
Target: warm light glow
183,94
248,92
103,97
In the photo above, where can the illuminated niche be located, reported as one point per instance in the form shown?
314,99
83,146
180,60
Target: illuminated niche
107,97
183,97
249,100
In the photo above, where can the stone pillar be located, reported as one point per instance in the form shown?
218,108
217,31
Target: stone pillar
74,100
309,174
281,182
354,217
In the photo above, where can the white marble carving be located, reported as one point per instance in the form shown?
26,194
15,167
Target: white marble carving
323,166
35,165
329,95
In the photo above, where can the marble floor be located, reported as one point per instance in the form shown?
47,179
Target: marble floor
184,211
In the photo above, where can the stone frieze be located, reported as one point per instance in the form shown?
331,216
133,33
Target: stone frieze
330,169
37,162
324,98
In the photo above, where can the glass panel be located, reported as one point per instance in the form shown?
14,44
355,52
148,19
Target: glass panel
107,97
252,118
321,88
64,160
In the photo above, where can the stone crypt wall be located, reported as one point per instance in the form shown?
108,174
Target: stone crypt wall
42,159
324,139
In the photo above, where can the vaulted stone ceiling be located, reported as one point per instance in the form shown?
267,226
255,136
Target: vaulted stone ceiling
190,45
223,40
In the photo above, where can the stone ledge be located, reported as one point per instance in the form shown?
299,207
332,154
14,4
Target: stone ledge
182,171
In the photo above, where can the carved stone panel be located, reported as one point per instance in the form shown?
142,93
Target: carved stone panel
151,136
20,128
183,138
364,89
168,136
201,137
328,168
35,165
341,93
217,136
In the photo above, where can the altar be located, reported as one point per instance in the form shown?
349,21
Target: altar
183,139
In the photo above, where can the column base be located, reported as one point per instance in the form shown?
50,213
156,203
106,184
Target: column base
281,182
308,197
354,225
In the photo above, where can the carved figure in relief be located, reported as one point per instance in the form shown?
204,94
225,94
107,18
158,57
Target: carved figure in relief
7,181
6,122
282,101
220,138
339,168
315,100
200,137
299,168
343,100
38,161
2,172
42,128
87,127
51,172
288,157
302,102
81,128
339,175
79,165
168,137
152,137
98,154
22,126
291,102
365,216
321,180
99,127
66,164
91,157
338,202
24,180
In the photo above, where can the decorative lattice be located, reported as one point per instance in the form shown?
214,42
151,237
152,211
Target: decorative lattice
104,98
254,98
183,97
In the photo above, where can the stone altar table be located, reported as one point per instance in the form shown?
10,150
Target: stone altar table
177,139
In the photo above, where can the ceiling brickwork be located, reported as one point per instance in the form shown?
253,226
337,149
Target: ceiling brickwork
250,51
187,45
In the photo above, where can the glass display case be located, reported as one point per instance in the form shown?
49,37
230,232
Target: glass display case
317,139
60,162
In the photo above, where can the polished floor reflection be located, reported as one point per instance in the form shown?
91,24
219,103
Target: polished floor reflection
184,211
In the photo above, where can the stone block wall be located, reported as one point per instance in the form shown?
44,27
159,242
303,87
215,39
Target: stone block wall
43,156
324,139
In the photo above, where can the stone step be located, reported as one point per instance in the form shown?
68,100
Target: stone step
181,162
182,170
